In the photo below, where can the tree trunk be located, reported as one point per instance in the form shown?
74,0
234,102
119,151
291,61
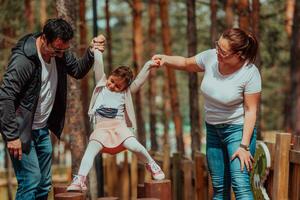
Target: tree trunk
229,15
166,37
152,83
108,37
29,15
9,175
193,78
43,12
66,9
244,14
138,61
295,71
213,19
289,13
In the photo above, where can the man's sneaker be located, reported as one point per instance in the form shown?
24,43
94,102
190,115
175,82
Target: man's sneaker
155,170
78,184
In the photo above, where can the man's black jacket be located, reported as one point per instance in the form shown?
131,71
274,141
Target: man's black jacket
21,86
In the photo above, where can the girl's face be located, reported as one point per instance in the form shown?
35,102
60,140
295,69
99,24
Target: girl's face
116,84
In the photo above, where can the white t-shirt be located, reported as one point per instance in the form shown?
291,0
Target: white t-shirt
110,104
223,94
47,93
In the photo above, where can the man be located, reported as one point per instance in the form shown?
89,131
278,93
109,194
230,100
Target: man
33,101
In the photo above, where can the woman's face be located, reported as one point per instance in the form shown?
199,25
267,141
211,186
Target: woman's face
116,84
224,52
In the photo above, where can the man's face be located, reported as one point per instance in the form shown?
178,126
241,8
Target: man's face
55,48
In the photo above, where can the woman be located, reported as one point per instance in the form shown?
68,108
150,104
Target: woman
231,87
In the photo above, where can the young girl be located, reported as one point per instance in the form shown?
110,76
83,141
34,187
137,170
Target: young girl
112,112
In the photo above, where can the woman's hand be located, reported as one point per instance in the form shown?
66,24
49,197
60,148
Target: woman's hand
245,158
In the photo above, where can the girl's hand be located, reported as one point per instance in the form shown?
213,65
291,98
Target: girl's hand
158,60
245,158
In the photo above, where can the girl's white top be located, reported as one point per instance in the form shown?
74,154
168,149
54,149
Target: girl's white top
224,94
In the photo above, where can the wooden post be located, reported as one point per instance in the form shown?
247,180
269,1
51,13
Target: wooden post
166,160
59,188
281,166
69,196
124,181
187,166
147,198
177,181
108,198
111,175
134,176
201,177
295,174
158,189
140,191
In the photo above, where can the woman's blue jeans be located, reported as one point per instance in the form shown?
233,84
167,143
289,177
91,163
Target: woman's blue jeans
222,142
33,172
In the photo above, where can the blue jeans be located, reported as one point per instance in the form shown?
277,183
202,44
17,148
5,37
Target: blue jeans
33,172
222,141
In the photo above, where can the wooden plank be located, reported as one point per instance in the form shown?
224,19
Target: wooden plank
166,160
125,178
187,166
281,166
70,196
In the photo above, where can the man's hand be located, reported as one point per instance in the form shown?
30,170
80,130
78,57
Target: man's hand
98,43
15,148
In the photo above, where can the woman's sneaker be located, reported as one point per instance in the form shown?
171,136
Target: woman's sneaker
78,184
155,170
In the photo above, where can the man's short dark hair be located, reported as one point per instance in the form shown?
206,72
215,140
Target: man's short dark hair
58,28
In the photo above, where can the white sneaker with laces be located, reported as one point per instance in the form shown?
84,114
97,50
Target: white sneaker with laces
155,170
78,184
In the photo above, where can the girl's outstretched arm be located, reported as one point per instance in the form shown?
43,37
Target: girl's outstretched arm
142,76
98,65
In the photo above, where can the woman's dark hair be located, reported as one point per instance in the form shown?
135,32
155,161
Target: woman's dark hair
58,28
242,42
125,73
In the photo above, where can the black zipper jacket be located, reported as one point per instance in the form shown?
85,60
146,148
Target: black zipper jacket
20,89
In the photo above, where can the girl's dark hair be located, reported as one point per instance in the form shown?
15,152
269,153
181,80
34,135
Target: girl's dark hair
125,73
57,28
242,42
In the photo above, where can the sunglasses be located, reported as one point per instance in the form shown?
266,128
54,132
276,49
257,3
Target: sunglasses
57,50
221,52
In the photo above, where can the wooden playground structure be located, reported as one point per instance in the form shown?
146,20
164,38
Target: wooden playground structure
188,179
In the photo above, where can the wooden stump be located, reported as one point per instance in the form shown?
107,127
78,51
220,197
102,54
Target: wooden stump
147,198
59,188
69,196
108,198
158,189
140,191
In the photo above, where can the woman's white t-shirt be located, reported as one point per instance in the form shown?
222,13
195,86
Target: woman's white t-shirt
224,94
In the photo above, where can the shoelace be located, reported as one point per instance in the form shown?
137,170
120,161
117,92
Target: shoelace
77,181
155,168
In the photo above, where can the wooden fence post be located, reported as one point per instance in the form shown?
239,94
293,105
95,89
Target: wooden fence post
124,180
201,177
177,176
158,189
187,166
134,176
59,188
281,166
295,173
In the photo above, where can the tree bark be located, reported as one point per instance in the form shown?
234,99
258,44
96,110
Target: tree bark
244,14
229,14
213,19
166,35
43,12
152,83
108,37
193,78
29,15
295,71
138,62
289,14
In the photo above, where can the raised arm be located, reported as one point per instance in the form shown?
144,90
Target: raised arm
178,62
142,76
98,65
